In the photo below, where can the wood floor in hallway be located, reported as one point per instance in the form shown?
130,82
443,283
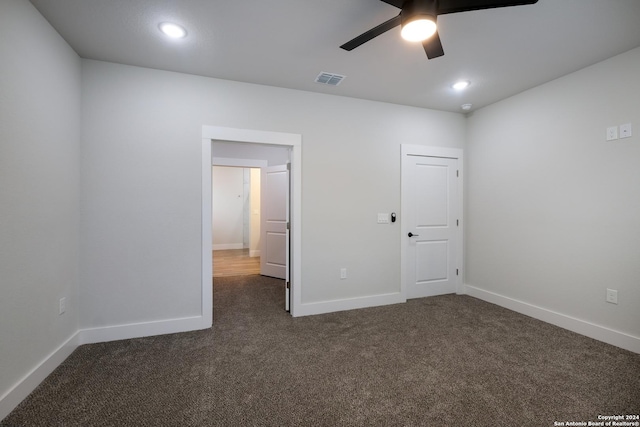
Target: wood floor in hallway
234,262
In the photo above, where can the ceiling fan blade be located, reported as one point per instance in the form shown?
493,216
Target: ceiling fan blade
374,32
396,3
433,46
454,6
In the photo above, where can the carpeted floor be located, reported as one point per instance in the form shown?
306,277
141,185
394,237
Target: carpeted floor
440,361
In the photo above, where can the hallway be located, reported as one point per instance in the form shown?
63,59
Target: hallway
234,262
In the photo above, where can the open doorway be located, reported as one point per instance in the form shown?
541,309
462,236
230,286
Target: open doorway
249,140
236,221
250,212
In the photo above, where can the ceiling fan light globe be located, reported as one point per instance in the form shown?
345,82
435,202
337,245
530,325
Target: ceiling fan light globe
418,30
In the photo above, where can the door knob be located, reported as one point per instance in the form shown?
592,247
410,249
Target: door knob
411,234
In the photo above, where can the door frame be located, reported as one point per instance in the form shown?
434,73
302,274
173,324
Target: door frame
294,141
429,151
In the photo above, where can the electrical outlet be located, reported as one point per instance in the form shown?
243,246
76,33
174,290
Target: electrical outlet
62,305
612,133
625,130
612,296
343,273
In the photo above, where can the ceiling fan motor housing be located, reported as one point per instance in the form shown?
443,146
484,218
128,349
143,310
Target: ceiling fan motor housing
419,9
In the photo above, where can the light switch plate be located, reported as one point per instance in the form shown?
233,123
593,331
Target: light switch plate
383,218
625,130
612,133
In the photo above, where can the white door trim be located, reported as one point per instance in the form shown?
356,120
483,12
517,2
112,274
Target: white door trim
427,151
239,163
211,133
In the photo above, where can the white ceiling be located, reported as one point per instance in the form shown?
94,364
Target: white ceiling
286,43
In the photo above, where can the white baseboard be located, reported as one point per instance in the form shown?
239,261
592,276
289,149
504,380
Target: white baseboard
21,390
26,385
227,246
254,253
582,327
139,330
323,307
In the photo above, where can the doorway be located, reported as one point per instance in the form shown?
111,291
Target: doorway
245,139
236,219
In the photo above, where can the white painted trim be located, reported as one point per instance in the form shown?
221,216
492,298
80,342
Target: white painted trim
211,133
350,304
582,327
241,163
31,380
26,385
226,246
206,279
451,153
254,253
142,329
248,135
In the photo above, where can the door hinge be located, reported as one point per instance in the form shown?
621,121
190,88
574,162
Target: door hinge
288,285
288,166
288,226
457,223
458,173
457,272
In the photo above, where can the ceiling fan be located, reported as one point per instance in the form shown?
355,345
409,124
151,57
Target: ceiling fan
418,20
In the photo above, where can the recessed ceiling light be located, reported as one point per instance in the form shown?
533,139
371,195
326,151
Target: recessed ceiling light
174,31
463,84
466,107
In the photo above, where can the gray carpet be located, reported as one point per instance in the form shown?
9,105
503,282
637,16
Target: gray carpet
440,361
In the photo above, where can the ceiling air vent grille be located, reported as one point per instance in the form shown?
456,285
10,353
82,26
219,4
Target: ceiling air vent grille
329,78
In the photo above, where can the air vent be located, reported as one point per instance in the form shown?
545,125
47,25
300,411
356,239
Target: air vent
329,78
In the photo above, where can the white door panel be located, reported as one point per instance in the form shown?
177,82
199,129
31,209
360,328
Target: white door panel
276,248
432,204
434,257
430,225
276,189
274,217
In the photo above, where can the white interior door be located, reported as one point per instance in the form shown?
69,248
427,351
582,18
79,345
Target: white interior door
274,254
430,225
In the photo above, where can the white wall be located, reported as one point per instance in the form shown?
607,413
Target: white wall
246,209
553,209
39,197
254,208
141,185
228,207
